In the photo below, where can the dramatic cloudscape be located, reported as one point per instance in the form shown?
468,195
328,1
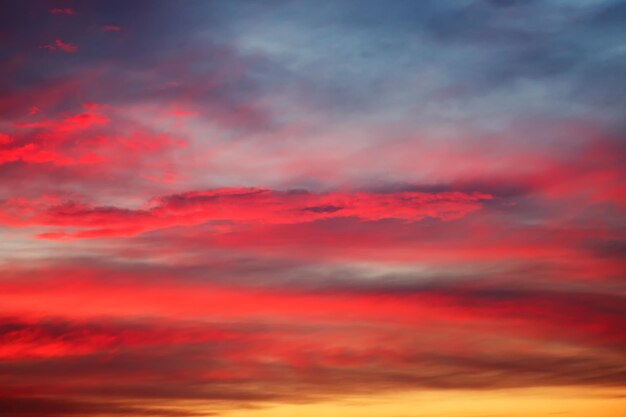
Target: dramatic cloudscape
277,208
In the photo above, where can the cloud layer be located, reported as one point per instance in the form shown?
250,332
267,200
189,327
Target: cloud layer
233,208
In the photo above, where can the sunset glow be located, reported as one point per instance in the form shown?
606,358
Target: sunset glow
294,208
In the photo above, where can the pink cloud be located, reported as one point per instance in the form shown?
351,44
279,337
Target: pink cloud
249,206
59,45
66,11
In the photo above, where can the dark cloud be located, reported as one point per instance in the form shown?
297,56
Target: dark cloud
231,376
25,406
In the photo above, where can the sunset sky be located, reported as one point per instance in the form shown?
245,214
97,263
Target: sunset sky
349,208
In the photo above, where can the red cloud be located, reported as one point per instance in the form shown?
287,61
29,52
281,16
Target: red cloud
66,47
87,147
586,319
59,45
47,140
66,11
25,339
245,206
145,326
111,28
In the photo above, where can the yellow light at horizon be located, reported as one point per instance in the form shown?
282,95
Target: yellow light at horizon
524,402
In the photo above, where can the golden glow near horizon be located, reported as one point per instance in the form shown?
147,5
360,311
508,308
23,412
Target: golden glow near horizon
522,402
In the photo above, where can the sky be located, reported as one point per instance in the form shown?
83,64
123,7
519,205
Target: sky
355,208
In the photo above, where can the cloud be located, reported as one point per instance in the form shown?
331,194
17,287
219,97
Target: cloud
204,341
50,338
66,11
227,206
61,46
143,292
252,206
86,148
24,406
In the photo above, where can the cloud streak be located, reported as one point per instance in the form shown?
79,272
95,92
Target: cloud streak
238,206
